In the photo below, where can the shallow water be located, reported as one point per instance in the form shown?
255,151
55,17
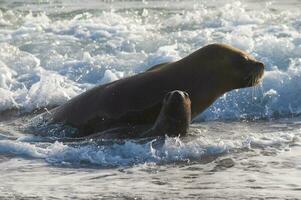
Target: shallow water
245,146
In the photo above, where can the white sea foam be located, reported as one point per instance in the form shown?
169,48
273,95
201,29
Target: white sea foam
129,153
170,150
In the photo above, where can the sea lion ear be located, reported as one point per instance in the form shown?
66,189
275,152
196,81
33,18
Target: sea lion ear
245,58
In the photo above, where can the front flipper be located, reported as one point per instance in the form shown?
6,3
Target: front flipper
174,117
173,120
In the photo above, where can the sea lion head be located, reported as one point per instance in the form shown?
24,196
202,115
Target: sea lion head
234,68
175,115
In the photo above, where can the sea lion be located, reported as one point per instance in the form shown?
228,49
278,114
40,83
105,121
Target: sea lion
174,117
173,120
205,75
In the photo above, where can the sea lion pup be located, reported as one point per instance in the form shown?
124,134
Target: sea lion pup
174,117
173,120
205,75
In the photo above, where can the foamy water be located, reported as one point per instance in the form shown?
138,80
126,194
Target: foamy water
246,145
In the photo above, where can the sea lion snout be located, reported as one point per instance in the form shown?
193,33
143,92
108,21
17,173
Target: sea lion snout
258,66
255,73
176,96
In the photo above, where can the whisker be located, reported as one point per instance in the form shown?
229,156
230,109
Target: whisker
253,89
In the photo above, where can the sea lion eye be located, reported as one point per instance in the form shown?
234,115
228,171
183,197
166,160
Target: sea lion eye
245,57
241,58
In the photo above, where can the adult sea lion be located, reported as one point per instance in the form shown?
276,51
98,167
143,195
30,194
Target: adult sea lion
205,75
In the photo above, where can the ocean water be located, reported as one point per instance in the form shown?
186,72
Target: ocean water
247,145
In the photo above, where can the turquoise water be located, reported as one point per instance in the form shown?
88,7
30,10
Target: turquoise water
245,146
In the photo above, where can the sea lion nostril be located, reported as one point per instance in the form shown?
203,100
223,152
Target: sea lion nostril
176,95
